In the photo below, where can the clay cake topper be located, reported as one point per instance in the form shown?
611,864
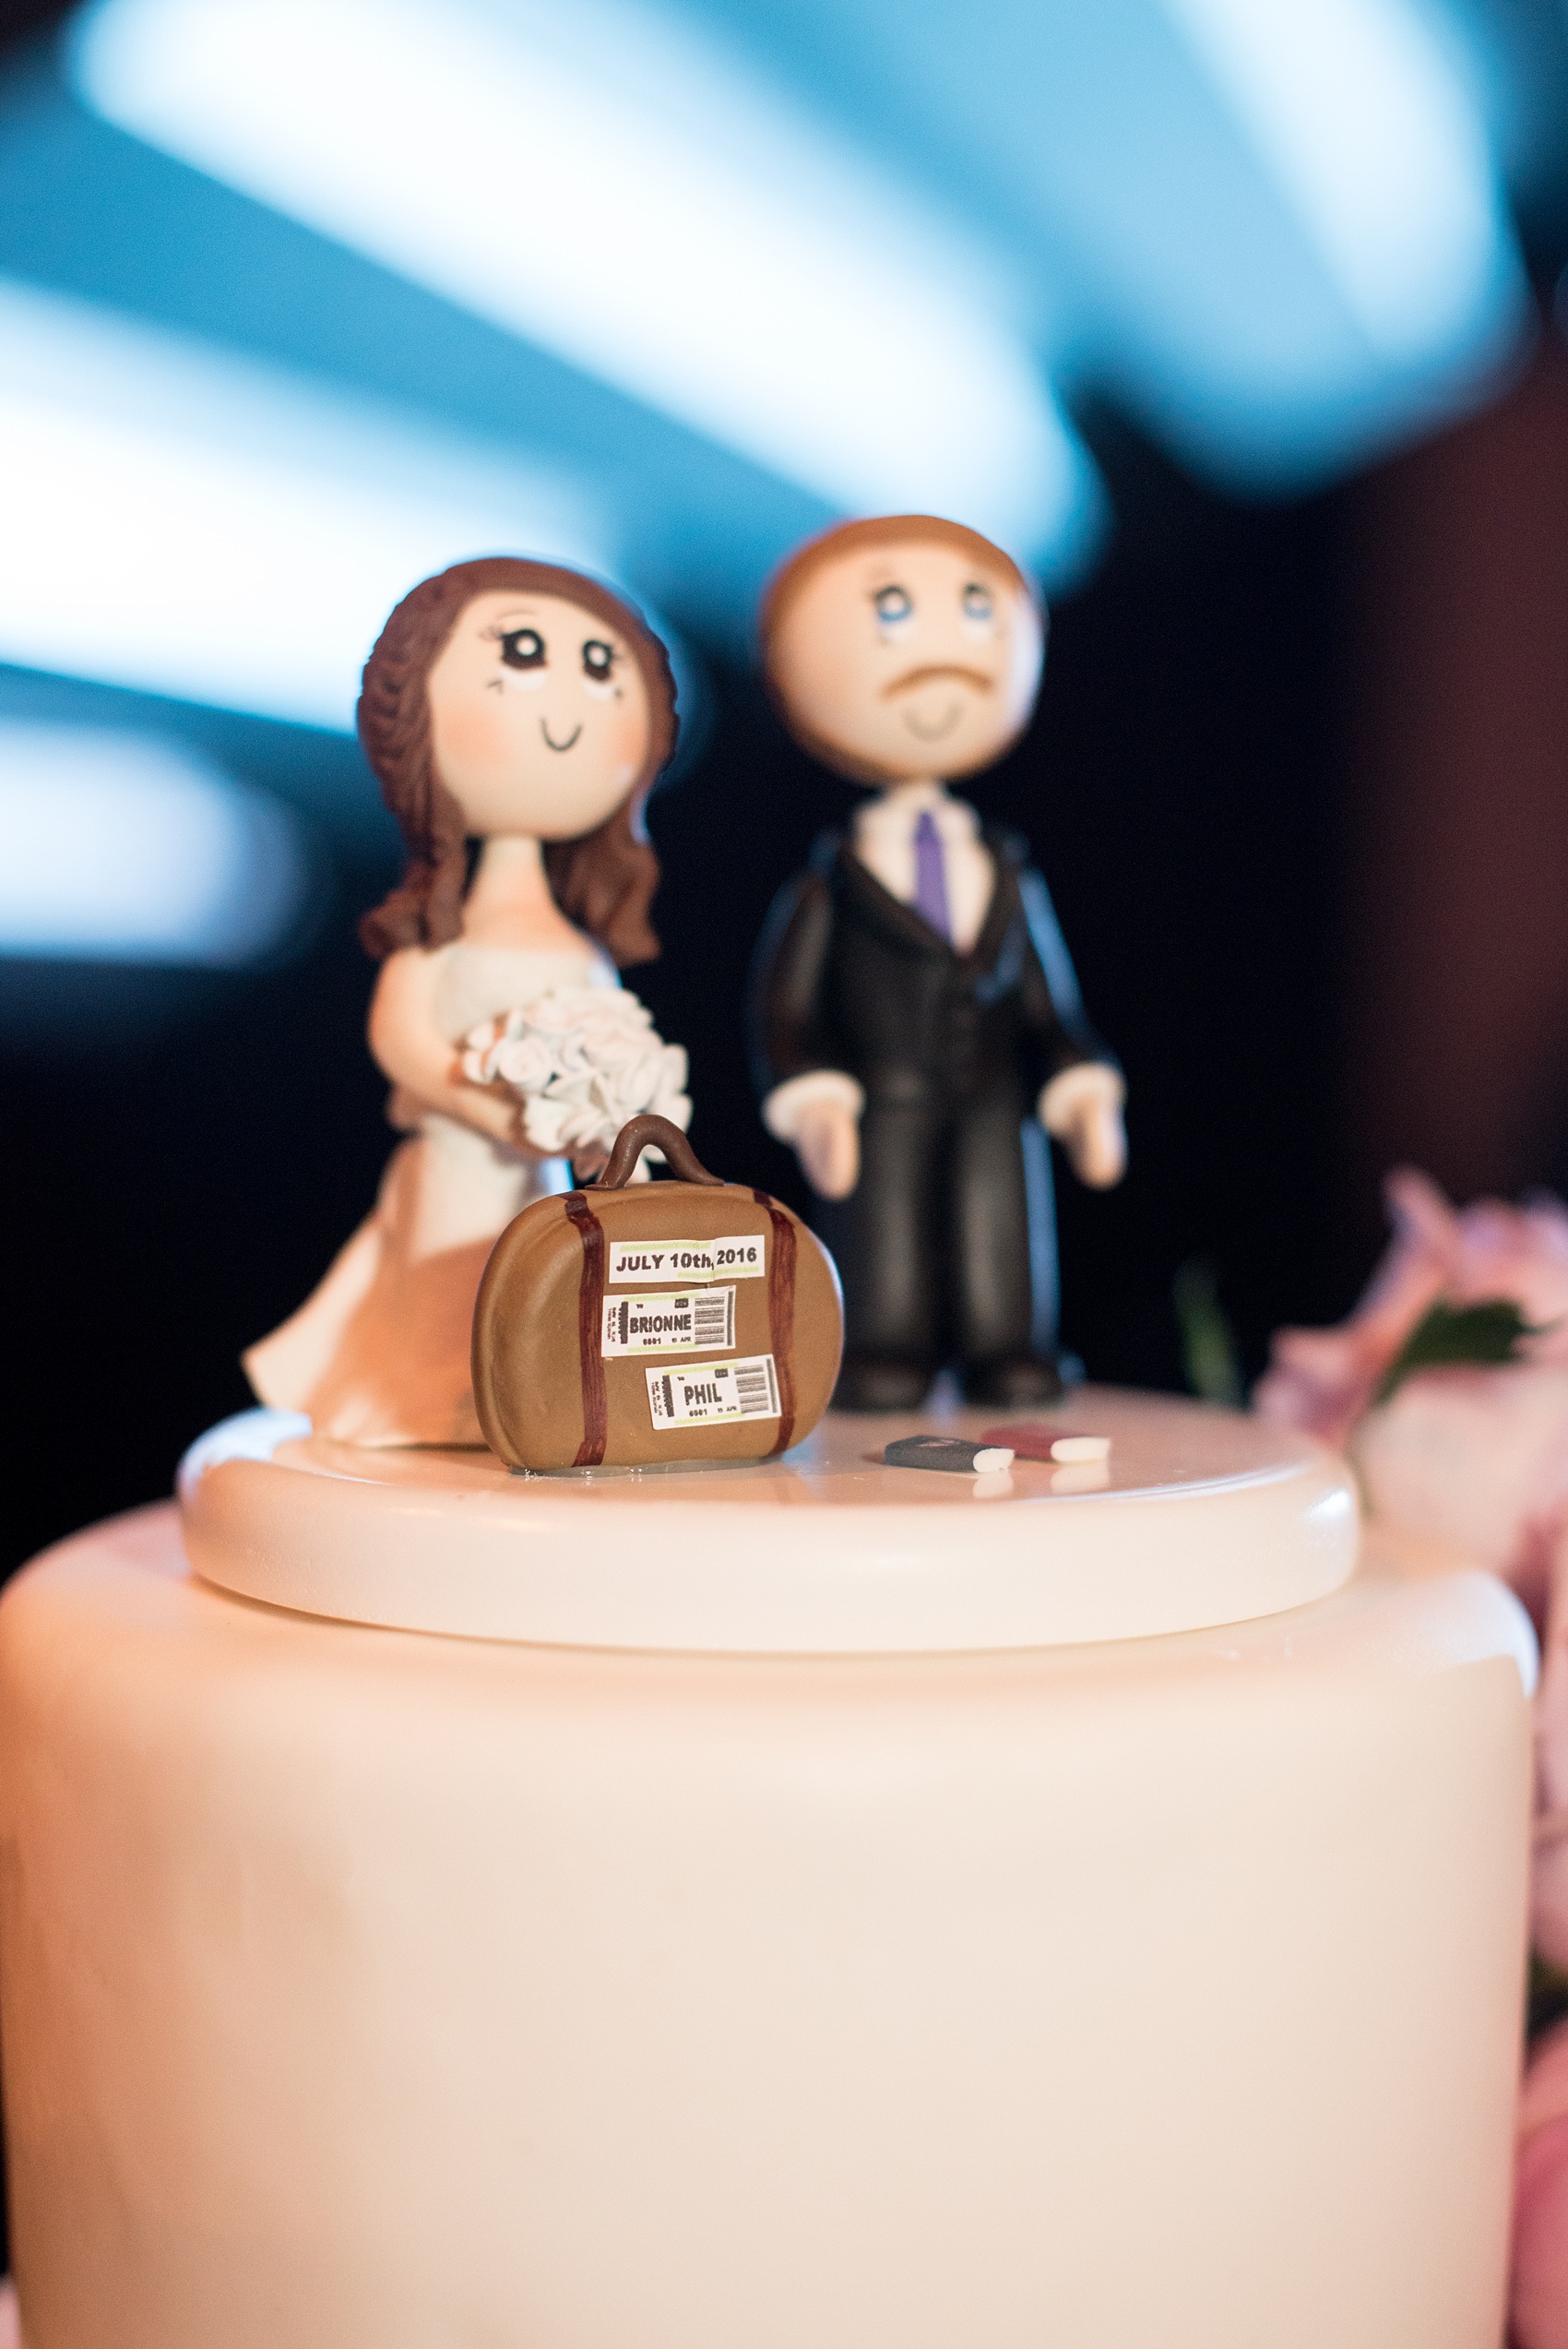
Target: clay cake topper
528,709
917,1027
624,1325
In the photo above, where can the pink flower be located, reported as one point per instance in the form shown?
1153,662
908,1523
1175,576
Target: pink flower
1324,1380
1471,1460
1539,2288
1475,1461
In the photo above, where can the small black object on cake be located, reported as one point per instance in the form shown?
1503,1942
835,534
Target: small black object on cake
946,1451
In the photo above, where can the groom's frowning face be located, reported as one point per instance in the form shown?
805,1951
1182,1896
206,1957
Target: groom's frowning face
905,656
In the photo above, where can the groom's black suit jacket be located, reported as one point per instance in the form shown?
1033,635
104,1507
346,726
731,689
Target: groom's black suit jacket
935,1246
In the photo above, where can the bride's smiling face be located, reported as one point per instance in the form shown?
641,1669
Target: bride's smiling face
538,716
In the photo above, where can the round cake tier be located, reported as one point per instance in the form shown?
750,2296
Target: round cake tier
366,1990
1194,1518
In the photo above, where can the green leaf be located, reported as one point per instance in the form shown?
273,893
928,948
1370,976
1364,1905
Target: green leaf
1548,1996
1487,1333
1208,1343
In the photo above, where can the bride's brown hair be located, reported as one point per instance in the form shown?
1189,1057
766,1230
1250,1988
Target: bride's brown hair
604,880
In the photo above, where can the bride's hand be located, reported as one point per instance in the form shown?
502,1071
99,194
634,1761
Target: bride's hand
410,1049
494,1110
497,1111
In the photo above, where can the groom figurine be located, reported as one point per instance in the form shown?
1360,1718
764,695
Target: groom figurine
917,1027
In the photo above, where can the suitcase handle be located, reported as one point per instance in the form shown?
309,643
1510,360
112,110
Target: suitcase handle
655,1133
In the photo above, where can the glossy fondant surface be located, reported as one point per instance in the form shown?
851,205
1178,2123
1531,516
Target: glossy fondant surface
367,1990
1195,1517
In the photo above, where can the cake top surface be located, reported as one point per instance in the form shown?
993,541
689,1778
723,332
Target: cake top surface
1193,1517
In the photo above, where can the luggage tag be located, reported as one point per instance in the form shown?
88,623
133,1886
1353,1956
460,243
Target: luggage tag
628,1325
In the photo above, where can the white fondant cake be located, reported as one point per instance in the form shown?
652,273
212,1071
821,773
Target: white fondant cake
808,1903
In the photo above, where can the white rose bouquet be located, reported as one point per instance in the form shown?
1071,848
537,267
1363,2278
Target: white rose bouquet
582,1061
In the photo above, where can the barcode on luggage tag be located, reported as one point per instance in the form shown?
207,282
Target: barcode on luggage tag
694,1322
738,1256
744,1389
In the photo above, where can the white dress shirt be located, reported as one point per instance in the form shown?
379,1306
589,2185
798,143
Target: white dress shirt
882,836
884,839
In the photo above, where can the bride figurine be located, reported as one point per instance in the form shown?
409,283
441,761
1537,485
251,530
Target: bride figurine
526,708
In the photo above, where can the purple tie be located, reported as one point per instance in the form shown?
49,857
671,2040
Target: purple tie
931,882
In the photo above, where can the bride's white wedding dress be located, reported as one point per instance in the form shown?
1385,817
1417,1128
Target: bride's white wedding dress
378,1354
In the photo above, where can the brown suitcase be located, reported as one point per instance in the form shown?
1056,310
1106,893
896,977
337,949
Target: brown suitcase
631,1323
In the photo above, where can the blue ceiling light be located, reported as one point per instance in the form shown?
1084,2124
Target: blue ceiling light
120,848
1273,227
1363,124
92,212
617,191
204,527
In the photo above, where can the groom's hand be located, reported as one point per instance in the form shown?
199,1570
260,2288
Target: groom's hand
828,1143
1083,1108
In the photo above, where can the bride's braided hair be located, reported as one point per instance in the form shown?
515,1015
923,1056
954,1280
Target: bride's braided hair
605,879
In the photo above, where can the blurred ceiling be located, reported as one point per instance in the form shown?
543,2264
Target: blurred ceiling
301,298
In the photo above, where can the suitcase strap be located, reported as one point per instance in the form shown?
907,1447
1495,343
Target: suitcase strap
590,1319
782,1314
